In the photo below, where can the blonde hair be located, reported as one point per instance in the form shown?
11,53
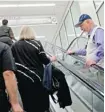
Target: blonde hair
27,33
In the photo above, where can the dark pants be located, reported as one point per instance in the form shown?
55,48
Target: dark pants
34,97
4,104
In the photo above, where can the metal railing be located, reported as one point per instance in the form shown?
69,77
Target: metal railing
85,82
71,69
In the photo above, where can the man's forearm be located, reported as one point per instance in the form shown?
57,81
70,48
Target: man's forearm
11,86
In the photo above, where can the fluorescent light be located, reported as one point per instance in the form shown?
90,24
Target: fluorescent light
42,24
8,5
30,20
40,37
36,5
27,5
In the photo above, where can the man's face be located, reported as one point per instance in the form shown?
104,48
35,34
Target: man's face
85,26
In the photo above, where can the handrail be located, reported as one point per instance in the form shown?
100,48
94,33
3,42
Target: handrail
82,79
75,56
89,83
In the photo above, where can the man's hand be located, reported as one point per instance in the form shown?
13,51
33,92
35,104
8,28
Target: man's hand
69,52
90,62
17,108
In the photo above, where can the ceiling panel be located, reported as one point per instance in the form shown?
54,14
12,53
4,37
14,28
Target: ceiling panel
43,30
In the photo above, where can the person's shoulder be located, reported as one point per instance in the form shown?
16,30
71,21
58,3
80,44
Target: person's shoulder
16,43
9,27
5,27
3,44
37,42
1,27
99,31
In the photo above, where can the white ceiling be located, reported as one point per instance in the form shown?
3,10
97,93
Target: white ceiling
47,30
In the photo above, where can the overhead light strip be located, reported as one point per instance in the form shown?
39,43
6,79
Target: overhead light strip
27,5
35,5
41,20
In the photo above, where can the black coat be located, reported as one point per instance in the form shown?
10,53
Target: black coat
29,57
64,97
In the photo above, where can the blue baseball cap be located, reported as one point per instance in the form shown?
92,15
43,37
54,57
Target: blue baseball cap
82,18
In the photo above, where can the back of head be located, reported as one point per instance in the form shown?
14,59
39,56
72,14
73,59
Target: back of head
4,22
4,29
27,33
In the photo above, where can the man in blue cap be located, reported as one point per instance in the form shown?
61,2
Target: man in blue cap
95,47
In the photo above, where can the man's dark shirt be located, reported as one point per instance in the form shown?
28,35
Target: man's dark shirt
6,61
6,31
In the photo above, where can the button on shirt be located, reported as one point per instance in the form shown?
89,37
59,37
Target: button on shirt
98,40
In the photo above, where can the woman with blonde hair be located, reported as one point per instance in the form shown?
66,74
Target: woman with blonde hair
29,58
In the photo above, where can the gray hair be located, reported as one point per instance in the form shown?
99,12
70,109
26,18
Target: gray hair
27,33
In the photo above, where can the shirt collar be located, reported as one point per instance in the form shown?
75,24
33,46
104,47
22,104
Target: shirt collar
89,33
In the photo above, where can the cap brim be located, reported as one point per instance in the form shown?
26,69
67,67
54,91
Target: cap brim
78,24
